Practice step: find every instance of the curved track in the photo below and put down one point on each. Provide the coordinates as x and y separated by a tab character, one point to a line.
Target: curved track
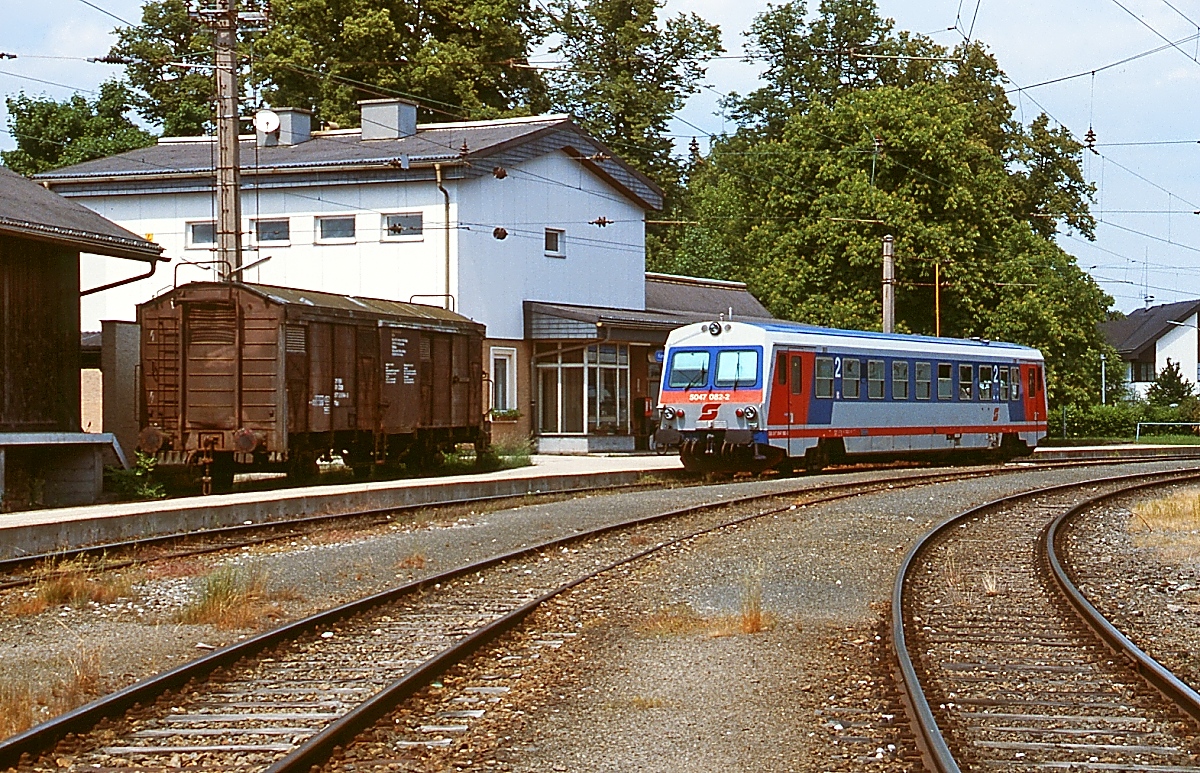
999	653
284	699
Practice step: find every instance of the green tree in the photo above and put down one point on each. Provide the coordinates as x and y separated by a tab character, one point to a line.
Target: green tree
168	92
628	72
1170	387
52	134
459	58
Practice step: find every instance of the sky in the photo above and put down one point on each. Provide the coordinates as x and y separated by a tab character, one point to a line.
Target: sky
1144	111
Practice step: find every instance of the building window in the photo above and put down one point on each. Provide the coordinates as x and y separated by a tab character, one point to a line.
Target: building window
409	226
899	380
556	243
583	389
1143	371
335	229
504	379
202	234
272	231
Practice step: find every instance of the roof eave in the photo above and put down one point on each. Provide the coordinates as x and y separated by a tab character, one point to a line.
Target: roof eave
97	244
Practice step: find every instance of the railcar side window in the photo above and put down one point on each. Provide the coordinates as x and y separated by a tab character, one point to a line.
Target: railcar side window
737	368
965	381
985	382
689	370
924	373
851	373
875	379
945	382
797	375
1014	375
825	377
1002	377
1032	382
899	380
781	367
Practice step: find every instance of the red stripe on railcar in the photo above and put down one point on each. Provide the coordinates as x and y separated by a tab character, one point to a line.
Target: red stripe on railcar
819	432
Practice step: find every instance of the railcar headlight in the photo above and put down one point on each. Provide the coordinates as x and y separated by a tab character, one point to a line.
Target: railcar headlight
668	413
751	412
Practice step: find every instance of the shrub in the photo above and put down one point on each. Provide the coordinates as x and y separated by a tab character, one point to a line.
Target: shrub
138	481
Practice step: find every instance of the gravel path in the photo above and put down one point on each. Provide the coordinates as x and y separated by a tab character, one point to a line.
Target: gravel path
661	679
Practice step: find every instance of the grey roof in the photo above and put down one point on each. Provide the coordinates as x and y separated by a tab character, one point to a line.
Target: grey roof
668	292
671	301
30	211
467	149
1135	335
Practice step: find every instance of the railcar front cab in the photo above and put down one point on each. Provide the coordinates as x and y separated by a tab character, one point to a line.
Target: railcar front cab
712	402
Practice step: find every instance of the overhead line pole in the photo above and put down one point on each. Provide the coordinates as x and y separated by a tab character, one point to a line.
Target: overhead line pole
223	19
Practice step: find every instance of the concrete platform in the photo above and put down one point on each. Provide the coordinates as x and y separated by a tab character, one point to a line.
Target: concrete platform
1123	451
43	531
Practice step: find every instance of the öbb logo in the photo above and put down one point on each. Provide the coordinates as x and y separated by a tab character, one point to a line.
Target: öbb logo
709	412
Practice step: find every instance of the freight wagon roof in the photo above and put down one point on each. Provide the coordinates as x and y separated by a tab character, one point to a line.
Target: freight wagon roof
290	296
889	341
30	211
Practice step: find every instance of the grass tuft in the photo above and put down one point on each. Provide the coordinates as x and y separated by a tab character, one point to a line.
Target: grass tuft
19	709
414	561
232	598
1170	524
74	582
677	620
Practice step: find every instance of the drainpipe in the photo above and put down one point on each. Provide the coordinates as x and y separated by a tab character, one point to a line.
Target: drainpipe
437	170
118	283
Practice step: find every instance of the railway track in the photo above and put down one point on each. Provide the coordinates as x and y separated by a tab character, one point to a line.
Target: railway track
283	699
24	571
1007	667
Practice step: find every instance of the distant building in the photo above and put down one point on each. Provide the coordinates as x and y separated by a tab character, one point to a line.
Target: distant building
45	459
529	225
1150	339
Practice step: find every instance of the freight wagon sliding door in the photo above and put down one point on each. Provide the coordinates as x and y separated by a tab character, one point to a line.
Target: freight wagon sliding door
211	365
260	363
320	376
345	366
400	393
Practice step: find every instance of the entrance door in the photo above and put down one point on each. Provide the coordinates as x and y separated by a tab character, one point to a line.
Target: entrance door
799	367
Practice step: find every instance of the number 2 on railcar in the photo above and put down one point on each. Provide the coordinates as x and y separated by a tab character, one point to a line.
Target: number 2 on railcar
752	396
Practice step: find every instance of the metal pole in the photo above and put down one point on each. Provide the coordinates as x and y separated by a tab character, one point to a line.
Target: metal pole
1103	381
229	205
889	286
937	299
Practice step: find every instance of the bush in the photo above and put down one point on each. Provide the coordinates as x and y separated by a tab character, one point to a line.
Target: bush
1120	420
138	481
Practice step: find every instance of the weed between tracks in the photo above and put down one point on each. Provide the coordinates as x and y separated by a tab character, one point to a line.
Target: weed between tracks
1171	524
22	706
232	598
73	582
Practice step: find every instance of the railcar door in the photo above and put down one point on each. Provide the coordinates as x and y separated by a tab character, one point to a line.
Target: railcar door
211	366
800	366
320	377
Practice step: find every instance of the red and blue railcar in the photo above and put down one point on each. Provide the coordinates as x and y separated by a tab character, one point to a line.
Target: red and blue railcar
757	395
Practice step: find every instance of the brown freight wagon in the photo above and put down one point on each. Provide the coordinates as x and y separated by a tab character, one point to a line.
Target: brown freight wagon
241	376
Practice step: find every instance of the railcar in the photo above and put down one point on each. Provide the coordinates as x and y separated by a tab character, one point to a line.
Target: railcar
751	396
254	377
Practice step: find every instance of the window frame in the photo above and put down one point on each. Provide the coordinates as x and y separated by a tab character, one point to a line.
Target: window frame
708	369
736	383
901	382
1014	378
927	381
797	376
848	379
948	381
881	368
969	394
386	235
190	234
561	252
322	239
509	355
986	395
256	235
823	381
1002	383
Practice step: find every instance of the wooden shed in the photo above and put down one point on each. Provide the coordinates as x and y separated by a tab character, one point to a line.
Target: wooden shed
44	457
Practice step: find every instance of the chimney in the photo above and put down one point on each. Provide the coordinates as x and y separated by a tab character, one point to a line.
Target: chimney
295	126
388	119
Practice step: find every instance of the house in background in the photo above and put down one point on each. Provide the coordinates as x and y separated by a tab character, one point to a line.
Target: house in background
45	459
522	224
1149	339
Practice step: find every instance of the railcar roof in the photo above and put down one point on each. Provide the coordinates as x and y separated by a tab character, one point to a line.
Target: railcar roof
780	326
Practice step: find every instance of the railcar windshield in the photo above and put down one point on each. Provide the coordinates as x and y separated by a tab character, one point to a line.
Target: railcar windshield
737	367
689	370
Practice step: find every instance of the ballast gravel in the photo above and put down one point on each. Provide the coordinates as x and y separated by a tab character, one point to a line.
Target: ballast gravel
825	574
